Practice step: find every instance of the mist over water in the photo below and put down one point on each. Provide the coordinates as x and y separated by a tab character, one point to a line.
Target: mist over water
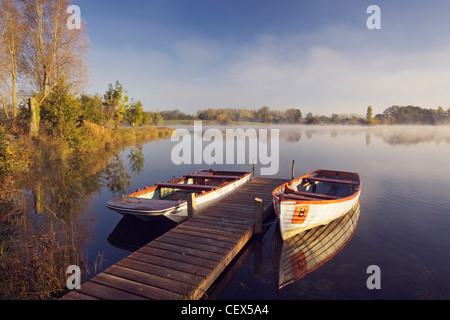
402	225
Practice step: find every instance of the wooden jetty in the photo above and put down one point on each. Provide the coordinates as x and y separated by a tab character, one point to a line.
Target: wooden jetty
184	262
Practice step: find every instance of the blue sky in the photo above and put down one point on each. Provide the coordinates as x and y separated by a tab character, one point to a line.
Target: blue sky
315	55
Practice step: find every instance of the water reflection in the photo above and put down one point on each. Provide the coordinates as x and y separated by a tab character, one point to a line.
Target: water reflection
392	135
302	254
50	225
60	208
132	233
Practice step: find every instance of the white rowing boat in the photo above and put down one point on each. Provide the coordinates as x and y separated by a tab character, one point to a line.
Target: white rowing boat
170	199
315	199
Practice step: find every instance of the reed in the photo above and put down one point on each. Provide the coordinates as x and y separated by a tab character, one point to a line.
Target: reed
40	239
35	269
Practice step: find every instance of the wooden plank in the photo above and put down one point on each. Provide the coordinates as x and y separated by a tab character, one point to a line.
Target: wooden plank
197	187
164	283
105	292
212	177
234	215
170	264
179	257
234	222
168	247
180	241
301	195
234	207
160	271
208	230
201	240
219	226
135	288
215	237
352	182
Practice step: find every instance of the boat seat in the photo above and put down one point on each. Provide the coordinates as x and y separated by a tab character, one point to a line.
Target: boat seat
212	177
289	192
194	187
332	180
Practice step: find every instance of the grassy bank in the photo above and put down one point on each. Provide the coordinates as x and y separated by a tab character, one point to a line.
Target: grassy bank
45	184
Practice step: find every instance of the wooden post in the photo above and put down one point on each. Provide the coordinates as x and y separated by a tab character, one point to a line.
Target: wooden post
293	169
253	170
258	215
191	205
35	116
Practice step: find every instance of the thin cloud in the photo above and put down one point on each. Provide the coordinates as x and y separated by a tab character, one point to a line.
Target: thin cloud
334	70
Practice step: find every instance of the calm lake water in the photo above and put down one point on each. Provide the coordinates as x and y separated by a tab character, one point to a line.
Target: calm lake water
403	223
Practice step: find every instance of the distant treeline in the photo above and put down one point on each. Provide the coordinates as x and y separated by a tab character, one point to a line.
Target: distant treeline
413	115
392	115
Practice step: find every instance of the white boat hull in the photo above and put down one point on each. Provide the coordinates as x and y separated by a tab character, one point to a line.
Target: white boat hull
148	203
317	215
299	211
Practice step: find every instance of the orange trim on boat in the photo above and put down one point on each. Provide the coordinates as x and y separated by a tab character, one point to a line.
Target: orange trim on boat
276	193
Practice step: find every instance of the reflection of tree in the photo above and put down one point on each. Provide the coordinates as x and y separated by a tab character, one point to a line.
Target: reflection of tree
46	230
368	138
116	179
411	135
49	225
392	135
291	134
136	158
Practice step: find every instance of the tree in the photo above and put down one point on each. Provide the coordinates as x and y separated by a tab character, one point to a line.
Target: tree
208	114
264	115
310	119
293	116
135	114
11	39
370	120
245	115
62	110
115	103
92	108
158	119
147	119
52	53
335	119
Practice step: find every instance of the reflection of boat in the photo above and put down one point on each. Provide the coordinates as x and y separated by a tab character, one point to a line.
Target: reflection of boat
302	254
170	199
315	199
132	233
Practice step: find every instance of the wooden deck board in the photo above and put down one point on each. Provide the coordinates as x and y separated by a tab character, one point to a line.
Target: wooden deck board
160	271
184	262
171	264
168	284
168	247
